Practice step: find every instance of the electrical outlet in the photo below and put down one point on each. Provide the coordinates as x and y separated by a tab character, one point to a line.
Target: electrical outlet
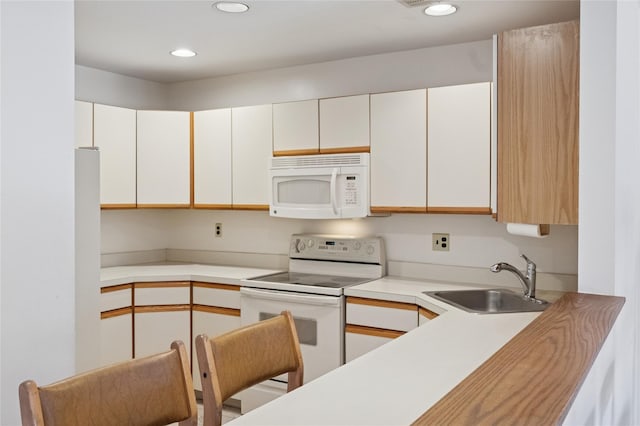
440	242
218	229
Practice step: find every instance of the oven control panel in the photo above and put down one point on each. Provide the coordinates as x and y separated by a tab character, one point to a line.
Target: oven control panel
338	248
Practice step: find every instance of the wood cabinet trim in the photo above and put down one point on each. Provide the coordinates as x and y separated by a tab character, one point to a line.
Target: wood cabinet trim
296	152
117	287
346	150
373	331
163	206
550	358
162	284
250	207
192	196
398	209
460	210
160	308
427	313
228	287
117	206
216	310
116	312
213	206
382	303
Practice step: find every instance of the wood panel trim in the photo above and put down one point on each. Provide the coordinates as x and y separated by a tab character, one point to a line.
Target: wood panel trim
398	209
373	331
296	152
231	287
117	206
250	207
460	210
346	150
382	303
162	284
550	359
217	310
160	308
427	313
191	160
164	206
213	206
117	287
116	312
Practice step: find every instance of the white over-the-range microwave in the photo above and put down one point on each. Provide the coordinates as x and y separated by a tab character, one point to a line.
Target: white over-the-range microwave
331	186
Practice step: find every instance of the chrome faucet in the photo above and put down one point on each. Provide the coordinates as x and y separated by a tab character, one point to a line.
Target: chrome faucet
528	281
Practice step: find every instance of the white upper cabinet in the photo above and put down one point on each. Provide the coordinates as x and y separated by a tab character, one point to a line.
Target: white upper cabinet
164	158
399	151
84	123
295	128
344	124
251	135
115	136
459	149
212	158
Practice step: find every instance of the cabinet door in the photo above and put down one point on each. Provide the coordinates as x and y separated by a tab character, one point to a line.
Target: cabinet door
538	86
115	136
164	157
251	135
399	152
344	124
212	158
116	336
295	128
459	149
156	327
360	340
83	123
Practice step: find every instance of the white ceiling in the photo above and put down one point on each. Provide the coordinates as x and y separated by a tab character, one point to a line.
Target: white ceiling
134	37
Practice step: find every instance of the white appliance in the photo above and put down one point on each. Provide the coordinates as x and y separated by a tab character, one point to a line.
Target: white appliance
333	186
320	267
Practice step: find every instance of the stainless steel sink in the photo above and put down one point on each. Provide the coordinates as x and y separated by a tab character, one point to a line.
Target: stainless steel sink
494	301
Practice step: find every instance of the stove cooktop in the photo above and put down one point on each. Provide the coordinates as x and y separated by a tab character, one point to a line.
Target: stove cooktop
316	280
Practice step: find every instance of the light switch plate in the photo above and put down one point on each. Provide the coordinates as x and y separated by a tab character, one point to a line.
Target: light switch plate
440	242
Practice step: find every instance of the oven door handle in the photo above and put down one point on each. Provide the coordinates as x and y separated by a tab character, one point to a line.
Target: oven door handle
283	296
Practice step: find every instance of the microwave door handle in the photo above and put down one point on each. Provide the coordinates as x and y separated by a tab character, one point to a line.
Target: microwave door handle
334	179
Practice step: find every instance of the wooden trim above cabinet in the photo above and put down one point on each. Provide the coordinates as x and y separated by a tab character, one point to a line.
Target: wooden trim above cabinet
373	331
164	206
213	206
162	284
161	308
117	287
116	312
296	152
231	287
346	150
118	206
427	313
460	210
397	209
216	310
382	303
251	207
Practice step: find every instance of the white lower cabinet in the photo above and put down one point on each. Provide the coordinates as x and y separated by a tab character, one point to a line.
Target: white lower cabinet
116	326
371	323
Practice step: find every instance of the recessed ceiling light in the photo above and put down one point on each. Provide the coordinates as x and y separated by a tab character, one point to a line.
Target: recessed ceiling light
440	9
183	53
231	7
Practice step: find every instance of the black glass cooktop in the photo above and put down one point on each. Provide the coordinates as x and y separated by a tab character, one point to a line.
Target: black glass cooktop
316	280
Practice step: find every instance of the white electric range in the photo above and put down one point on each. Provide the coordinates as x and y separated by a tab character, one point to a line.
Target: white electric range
320	267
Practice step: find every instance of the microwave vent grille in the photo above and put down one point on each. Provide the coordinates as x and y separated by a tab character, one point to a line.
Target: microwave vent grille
317	161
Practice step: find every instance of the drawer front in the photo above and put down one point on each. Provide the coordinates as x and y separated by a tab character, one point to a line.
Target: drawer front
357	344
145	294
382	314
224	296
110	300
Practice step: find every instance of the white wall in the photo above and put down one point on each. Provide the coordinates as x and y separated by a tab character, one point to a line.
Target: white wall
37	196
609	235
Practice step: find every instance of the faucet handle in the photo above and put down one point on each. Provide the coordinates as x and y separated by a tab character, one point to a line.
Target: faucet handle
529	261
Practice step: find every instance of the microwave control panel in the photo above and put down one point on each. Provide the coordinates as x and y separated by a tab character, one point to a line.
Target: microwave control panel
338	248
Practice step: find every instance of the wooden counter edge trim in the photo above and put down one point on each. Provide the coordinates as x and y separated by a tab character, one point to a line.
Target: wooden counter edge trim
373	331
427	313
160	308
162	284
230	287
116	312
117	287
382	303
216	310
548	361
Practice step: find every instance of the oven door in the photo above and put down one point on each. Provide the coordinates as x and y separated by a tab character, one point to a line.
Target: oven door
319	322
